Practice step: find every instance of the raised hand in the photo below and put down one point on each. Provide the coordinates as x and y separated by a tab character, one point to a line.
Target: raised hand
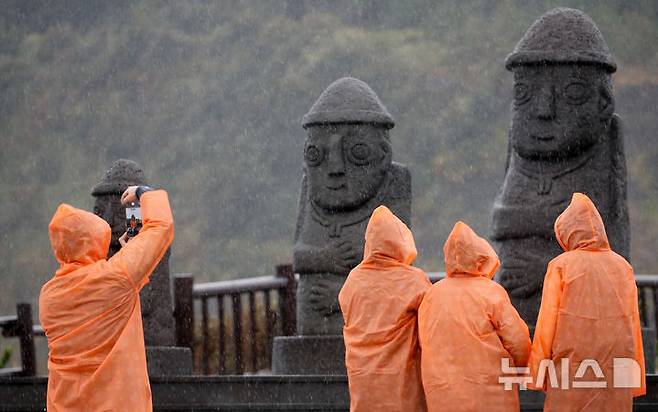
129	196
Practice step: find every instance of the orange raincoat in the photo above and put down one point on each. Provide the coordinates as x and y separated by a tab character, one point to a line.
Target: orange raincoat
589	310
467	325
91	313
379	301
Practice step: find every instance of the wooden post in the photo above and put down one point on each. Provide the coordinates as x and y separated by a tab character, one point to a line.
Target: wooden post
287	300
253	331
236	302
655	309
184	310
205	358
649	314
269	327
221	336
26	337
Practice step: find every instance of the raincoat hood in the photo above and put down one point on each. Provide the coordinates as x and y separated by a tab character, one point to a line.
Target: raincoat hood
388	237
580	226
468	254
78	237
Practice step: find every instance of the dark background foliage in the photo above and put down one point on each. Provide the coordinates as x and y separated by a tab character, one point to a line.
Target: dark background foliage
208	96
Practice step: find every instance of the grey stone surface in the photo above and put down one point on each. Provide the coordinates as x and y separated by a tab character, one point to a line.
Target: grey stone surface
348	172
168	361
562	35
107	196
564	138
348	100
308	355
157	309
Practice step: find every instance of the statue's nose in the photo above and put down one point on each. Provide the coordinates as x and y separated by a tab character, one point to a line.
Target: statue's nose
336	163
544	106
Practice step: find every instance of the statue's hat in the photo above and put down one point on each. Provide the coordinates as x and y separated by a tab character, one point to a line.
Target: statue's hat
122	173
562	35
348	100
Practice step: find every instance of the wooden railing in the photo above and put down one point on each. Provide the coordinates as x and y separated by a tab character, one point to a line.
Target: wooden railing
275	319
647	293
268	304
20	326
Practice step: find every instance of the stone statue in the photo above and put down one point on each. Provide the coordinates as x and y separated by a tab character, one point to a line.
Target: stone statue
155	297
348	172
564	138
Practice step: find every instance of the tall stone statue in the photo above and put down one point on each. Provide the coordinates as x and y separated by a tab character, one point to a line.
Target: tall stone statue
564	138
155	297
348	172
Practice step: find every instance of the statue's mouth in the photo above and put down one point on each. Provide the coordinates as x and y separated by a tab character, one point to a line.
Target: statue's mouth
339	187
547	138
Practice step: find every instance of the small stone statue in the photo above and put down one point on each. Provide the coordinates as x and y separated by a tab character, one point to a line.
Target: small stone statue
564	138
155	297
348	172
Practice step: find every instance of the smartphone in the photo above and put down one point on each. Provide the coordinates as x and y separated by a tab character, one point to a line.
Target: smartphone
133	219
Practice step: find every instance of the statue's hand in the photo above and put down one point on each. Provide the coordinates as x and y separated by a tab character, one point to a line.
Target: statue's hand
520	285
344	256
338	257
324	297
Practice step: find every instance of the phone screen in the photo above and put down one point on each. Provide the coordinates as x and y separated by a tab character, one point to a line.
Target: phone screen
133	218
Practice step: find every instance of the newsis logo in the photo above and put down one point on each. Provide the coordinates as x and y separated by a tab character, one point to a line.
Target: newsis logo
626	374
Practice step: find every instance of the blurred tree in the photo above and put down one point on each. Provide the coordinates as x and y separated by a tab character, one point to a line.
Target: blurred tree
208	96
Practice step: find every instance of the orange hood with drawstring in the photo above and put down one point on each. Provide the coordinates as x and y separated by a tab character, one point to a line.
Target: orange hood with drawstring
467	326
589	310
91	313
379	301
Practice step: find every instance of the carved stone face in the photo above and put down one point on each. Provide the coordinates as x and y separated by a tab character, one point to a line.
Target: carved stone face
345	164
559	110
110	209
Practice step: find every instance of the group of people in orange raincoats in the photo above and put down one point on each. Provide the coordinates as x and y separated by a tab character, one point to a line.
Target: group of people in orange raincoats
410	345
413	346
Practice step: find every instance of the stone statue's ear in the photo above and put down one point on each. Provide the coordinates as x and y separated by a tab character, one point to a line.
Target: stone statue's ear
614	131
606	103
386	151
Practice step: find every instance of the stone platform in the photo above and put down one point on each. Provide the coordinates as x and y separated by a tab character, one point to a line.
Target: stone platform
308	355
249	393
168	360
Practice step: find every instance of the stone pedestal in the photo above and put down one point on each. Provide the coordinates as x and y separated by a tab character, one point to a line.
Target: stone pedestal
168	361
308	355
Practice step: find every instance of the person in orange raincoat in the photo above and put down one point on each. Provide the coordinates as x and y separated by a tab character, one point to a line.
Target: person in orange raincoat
589	311
467	327
379	301
90	309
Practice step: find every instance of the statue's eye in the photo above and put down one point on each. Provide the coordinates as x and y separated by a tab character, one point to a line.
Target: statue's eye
313	155
521	93
359	154
576	93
